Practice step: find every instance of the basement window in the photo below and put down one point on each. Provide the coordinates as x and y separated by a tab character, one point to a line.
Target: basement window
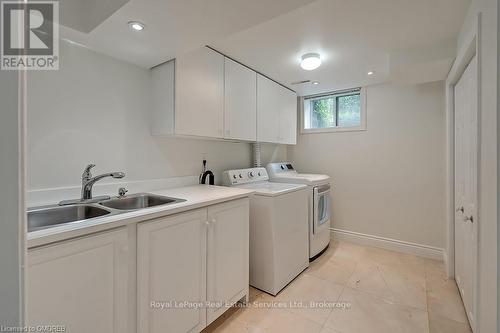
337	111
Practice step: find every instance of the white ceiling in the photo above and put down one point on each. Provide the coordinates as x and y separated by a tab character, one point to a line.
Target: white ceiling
172	26
352	36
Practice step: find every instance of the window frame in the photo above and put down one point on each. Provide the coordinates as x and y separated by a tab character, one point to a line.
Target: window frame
346	92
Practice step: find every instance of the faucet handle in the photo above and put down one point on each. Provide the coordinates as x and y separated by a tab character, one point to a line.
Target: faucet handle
86	172
122	191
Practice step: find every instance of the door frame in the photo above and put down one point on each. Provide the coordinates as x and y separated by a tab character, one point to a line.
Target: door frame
471	48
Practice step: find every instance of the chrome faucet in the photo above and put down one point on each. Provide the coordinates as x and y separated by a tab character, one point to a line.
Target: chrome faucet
88	181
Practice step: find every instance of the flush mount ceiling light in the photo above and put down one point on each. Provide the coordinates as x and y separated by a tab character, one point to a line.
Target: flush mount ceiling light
315	83
136	25
370	73
310	61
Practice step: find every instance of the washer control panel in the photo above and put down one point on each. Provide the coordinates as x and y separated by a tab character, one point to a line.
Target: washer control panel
244	176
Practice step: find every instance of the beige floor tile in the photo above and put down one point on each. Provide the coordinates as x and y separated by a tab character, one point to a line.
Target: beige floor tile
368	313
329	330
345	250
308	296
396	283
253	294
443	297
275	320
332	269
438	324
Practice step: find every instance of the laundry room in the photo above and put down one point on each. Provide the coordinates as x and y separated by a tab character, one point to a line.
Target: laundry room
317	166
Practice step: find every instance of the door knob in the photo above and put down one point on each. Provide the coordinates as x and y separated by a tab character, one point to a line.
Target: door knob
460	209
469	219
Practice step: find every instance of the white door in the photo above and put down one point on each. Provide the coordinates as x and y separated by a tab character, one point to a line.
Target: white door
81	284
240	102
171	271
199	93
227	261
466	222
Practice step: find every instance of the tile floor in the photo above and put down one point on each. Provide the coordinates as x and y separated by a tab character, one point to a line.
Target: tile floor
373	291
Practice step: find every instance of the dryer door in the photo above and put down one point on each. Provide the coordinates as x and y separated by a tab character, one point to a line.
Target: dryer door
321	204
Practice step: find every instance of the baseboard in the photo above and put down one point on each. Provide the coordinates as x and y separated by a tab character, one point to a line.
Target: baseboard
390	244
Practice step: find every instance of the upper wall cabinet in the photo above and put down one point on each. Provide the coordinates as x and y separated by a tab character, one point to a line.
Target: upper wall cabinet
199	102
240	102
276	112
216	97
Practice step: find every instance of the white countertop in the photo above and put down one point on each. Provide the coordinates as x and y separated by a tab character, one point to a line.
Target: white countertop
196	196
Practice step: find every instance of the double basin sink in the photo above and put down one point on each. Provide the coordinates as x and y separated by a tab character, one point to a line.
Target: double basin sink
47	217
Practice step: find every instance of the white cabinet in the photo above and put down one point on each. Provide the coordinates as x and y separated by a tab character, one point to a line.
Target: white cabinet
227	260
81	284
162	99
276	112
189	259
240	102
199	93
216	97
288	117
171	268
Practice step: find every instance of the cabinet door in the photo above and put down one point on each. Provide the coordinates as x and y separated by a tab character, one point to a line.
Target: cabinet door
171	272
227	263
240	102
81	284
288	117
200	93
162	99
268	110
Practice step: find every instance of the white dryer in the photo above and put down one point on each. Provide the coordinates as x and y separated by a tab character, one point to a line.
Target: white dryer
279	249
319	203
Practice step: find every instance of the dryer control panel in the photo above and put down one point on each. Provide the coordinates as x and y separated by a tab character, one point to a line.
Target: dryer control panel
244	176
280	168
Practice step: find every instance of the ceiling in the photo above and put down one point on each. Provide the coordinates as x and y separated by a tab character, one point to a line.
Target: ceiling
172	26
399	40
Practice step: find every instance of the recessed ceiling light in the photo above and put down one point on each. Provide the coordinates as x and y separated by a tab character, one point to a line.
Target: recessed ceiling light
310	61
136	25
315	83
370	73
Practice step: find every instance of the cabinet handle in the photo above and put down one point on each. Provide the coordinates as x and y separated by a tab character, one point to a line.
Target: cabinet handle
207	223
469	219
213	220
460	209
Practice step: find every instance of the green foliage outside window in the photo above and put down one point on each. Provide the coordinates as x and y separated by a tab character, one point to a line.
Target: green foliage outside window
324	111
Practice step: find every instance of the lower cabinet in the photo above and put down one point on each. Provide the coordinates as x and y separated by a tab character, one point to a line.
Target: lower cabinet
81	284
227	256
171	273
191	266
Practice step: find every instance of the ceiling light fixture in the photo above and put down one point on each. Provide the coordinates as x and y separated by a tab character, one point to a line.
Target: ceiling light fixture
136	25
315	83
310	61
370	73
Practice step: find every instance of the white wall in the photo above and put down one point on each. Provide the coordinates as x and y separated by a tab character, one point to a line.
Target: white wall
95	109
11	233
388	181
488	154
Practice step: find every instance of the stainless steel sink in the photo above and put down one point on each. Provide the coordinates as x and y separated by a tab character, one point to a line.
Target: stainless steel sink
43	218
139	201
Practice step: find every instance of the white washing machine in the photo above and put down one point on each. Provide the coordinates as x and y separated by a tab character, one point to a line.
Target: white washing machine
279	241
319	202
